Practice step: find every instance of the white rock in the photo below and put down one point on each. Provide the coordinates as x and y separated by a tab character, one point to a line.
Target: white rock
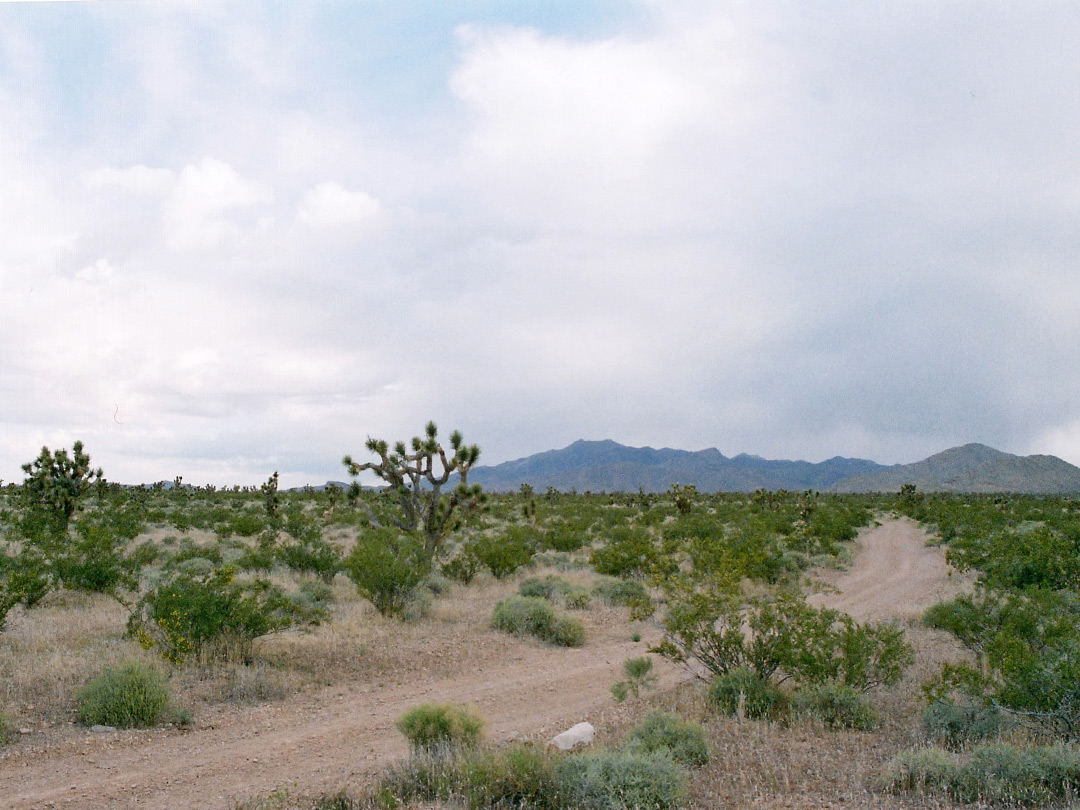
581	734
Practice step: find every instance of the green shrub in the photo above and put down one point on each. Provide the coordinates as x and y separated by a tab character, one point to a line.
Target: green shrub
664	731
463	567
555	588
132	696
186	613
836	705
639	676
387	567
523	616
954	726
94	561
506	553
576	598
519	776
432	727
311	554
547	588
563	538
566	632
621	780
629	553
246	524
744	689
621	592
533	616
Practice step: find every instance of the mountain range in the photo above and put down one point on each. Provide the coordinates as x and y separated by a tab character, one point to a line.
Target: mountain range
607	466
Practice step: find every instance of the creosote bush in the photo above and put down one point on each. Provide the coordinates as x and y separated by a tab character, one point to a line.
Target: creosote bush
131	696
533	616
440	727
505	553
387	566
190	612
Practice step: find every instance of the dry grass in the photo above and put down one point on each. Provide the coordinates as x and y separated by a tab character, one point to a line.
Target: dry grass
47	653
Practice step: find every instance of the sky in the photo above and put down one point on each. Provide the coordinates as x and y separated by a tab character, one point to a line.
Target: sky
241	237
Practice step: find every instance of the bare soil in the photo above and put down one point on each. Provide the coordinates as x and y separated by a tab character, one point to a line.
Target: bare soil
895	575
322	740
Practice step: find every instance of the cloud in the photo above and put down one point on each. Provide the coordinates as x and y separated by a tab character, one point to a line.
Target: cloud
259	236
328	205
196	209
141	180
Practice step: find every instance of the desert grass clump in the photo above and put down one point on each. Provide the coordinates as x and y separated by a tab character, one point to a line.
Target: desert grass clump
621	592
955	726
5	729
995	774
622	780
556	589
521	775
435	727
131	696
533	616
745	693
547	588
836	706
665	731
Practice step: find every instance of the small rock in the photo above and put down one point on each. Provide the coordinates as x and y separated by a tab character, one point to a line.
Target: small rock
24	731
101	729
580	734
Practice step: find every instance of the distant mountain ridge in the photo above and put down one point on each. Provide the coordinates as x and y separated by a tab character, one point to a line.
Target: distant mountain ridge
973	468
607	466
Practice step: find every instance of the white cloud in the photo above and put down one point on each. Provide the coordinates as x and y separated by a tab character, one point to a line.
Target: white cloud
195	211
134	179
328	205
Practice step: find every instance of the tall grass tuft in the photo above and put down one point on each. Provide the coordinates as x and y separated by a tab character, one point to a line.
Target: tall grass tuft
130	696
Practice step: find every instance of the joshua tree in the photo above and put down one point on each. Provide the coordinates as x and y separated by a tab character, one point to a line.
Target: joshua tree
417	479
56	485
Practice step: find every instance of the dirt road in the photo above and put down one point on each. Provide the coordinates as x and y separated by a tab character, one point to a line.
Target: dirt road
895	575
323	740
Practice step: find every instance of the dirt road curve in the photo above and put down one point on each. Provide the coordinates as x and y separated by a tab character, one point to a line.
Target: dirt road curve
322	741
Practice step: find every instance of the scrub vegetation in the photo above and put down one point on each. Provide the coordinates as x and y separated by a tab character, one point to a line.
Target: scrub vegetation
152	605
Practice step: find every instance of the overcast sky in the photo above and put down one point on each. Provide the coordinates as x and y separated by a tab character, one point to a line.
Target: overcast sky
241	237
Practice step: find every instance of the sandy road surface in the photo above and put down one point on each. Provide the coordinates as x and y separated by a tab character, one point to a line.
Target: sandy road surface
321	741
895	575
314	742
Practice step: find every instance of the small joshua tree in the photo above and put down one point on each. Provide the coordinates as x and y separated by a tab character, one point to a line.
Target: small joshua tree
417	479
56	485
